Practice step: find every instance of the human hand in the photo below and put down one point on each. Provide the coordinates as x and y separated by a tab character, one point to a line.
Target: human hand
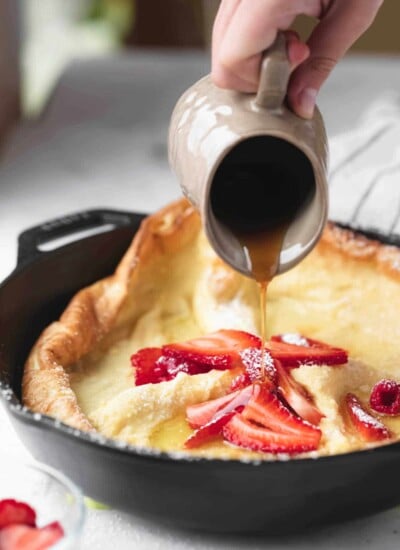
243	29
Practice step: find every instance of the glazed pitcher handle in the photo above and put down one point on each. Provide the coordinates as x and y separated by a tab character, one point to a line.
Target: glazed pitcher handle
274	75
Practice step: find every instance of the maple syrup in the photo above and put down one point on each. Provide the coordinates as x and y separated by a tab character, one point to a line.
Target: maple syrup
258	190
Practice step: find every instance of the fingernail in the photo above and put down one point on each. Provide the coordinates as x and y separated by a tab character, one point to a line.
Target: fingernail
306	102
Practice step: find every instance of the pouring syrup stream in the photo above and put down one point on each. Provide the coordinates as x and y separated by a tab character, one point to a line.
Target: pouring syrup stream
257	196
263	250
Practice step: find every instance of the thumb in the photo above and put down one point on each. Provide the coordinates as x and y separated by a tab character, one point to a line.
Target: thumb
338	29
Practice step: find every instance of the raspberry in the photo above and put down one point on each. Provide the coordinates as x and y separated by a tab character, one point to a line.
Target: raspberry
385	397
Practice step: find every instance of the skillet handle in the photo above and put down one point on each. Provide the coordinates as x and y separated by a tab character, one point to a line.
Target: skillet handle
38	240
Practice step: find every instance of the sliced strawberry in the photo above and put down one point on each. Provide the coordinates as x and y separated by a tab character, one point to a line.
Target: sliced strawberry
200	414
296	396
385	397
15	512
24	537
266	409
267	425
294	350
144	362
219	350
251	360
218	362
259	406
152	367
244	433
240	382
209	431
292	338
226	349
367	426
221	416
172	366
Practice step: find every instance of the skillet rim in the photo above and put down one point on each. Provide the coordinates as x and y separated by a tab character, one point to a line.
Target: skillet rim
44	421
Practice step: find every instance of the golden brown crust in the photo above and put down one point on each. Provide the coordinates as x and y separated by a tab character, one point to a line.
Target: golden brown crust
385	258
92	313
102	308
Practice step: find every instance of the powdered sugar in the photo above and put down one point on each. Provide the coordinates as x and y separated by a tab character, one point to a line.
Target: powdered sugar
294	339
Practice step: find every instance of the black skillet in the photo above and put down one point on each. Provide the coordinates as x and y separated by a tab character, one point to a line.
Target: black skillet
214	495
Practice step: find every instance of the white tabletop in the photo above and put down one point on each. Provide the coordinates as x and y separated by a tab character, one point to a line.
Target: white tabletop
102	143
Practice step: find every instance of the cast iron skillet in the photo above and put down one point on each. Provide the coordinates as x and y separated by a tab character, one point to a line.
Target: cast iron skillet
214	495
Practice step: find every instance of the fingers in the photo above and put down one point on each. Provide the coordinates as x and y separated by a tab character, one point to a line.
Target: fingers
297	51
225	13
242	31
344	22
225	78
245	28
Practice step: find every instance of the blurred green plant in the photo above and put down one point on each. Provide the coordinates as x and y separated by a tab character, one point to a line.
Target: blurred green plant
197	8
119	14
95	505
59	31
204	14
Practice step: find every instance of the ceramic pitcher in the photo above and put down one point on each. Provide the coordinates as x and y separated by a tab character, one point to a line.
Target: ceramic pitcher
210	123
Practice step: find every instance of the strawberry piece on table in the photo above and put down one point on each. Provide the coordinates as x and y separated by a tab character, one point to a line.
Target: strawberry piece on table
385	397
200	414
267	425
15	512
219	350
296	396
294	350
367	426
24	537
